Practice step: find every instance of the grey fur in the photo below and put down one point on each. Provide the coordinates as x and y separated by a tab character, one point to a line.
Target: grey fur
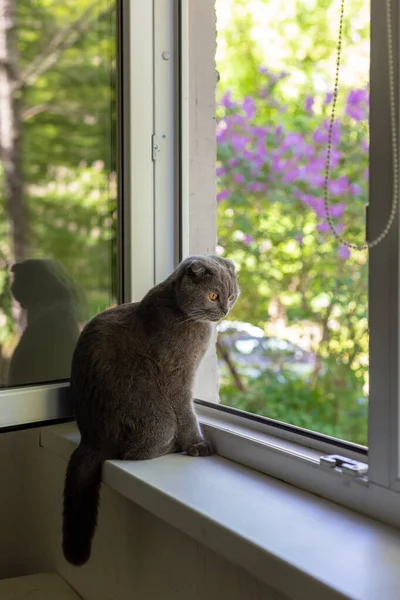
132	378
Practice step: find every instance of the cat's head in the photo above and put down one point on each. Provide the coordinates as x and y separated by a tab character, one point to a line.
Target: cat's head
207	287
42	282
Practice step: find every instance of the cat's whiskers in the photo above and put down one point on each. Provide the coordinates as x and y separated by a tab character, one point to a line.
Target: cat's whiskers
193	317
186	319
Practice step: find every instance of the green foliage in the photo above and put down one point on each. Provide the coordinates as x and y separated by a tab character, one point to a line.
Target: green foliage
271	220
338	412
65	60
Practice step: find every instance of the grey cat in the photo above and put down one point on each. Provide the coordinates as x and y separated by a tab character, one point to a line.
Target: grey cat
131	382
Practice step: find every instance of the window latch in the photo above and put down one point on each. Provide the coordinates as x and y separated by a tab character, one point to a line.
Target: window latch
344	465
155	148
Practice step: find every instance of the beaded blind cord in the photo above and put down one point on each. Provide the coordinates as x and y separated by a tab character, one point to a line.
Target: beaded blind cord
395	155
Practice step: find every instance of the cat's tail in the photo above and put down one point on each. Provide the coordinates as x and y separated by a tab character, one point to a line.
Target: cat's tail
81	500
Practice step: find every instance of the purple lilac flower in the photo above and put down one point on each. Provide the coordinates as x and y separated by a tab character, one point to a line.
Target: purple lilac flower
291	174
339	186
323	227
233	162
249	107
320	137
227	102
223	195
238	178
239	143
315	165
220	171
307	199
238	121
355	112
356	105
343	252
309	151
261	148
249	155
295	142
355	189
335	158
335	155
256	165
328	98
319	206
263	70
256	186
316	180
366	174
278	164
365	145
337	210
222	133
308	104
248	239
358	96
260	131
335	132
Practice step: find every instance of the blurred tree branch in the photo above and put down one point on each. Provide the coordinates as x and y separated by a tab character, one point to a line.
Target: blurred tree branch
61	41
33	111
236	377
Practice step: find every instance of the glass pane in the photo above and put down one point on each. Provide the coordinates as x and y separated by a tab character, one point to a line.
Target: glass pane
58	189
296	346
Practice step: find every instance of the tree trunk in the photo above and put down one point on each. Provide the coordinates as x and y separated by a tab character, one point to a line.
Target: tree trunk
235	375
10	132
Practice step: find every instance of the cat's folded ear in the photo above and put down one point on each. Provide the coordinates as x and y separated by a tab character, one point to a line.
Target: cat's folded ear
196	268
231	265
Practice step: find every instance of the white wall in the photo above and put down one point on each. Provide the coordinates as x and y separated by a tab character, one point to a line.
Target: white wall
135	555
21	546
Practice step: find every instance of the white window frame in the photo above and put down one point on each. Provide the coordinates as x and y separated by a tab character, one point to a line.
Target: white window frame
136	130
166	132
384	430
173	95
277	449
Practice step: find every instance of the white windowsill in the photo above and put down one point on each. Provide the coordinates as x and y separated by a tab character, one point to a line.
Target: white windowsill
297	543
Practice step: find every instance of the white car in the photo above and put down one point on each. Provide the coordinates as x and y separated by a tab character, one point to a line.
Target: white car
253	353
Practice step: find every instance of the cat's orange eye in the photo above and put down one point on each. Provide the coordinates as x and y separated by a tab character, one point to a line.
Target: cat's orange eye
213	296
231	298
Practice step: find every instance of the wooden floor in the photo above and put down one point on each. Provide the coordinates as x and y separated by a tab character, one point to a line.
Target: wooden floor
36	587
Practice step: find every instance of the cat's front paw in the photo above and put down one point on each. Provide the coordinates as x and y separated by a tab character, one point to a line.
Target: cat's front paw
202	448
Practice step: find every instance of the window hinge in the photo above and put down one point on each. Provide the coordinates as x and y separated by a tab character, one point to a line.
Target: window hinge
155	148
344	465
